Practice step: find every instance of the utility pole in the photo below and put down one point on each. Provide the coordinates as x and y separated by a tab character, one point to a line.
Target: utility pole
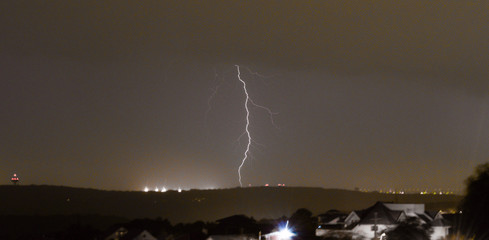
375	227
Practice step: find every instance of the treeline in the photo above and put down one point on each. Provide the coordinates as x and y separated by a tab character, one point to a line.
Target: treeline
78	227
198	205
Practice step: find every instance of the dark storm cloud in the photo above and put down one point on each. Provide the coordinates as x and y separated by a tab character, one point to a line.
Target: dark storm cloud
380	91
444	40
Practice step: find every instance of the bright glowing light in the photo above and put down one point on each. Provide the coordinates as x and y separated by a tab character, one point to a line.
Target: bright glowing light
156	189
179	190
285	232
146	189
163	189
383	236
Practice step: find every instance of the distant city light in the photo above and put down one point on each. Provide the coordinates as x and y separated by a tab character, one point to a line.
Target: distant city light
156	189
146	189
179	190
421	191
14	179
266	185
163	189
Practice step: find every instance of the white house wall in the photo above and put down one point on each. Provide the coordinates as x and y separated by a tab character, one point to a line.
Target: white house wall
366	230
439	233
411	209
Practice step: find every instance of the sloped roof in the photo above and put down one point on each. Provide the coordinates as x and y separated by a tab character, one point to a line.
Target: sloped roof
133	234
425	217
229	237
379	214
130	234
432	214
452	218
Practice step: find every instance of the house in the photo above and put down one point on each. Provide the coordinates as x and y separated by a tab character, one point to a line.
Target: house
236	225
283	234
132	234
332	224
370	222
381	217
231	237
332	219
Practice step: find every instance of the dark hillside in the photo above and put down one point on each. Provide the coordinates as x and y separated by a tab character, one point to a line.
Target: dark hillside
190	206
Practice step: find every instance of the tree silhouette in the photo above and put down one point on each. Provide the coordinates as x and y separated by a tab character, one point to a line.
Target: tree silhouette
474	206
302	223
411	229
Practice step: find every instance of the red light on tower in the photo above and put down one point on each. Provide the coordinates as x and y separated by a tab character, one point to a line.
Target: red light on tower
14	179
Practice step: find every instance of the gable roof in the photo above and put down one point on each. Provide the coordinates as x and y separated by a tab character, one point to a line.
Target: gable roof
130	234
432	214
379	214
353	217
425	218
138	234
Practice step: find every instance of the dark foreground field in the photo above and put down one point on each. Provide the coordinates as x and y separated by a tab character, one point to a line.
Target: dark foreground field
190	206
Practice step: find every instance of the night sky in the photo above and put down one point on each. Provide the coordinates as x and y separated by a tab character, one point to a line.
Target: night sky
368	94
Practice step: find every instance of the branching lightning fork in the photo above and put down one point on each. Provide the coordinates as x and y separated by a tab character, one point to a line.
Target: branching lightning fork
247	133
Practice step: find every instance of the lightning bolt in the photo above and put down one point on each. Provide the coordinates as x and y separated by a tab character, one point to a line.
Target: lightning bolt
214	93
247	133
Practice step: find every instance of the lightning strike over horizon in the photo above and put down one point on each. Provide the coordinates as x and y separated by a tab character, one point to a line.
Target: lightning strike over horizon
247	126
247	133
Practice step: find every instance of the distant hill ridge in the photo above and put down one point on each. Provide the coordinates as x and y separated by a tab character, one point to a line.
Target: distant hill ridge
193	205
